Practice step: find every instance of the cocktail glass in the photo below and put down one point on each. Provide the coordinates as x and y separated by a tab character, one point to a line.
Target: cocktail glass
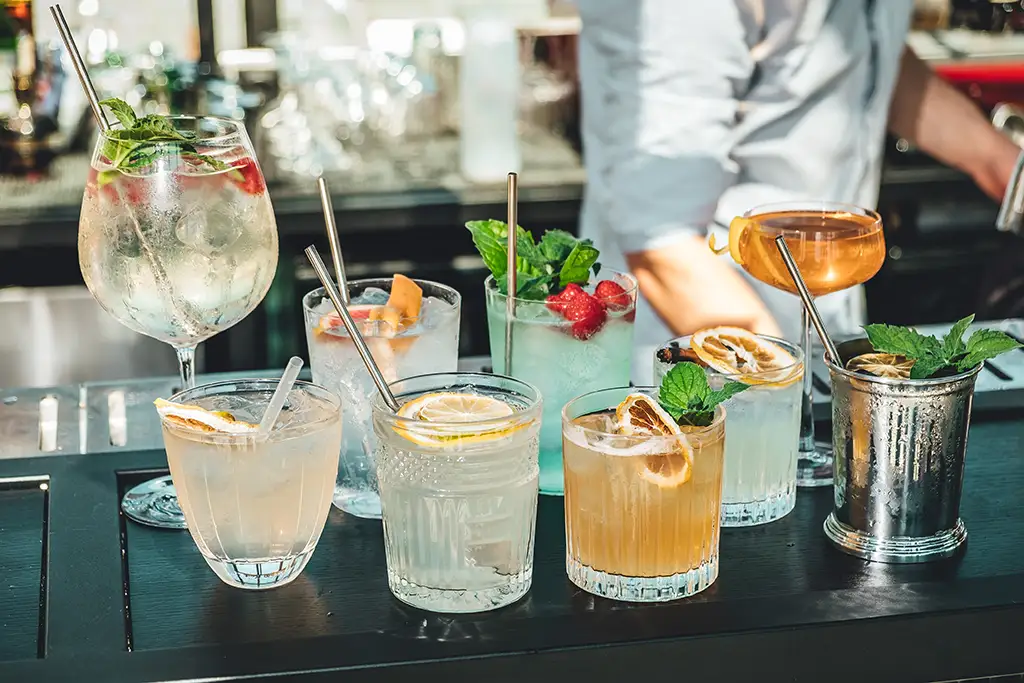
459	499
835	246
546	354
179	246
256	508
430	344
763	423
639	525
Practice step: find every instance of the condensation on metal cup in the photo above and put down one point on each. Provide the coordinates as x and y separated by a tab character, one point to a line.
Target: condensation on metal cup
899	450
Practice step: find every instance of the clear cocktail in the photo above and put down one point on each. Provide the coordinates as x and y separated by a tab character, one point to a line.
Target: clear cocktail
458	483
412	328
254	507
763	423
836	247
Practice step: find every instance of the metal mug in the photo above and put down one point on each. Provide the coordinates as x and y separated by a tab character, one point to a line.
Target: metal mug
899	449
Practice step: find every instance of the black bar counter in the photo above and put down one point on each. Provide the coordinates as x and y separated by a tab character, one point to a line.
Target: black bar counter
87	597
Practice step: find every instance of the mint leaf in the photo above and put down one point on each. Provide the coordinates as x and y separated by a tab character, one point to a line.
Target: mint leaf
556	245
489	239
684	389
120	109
953	342
985	344
578	264
533	287
925	367
902	341
722	395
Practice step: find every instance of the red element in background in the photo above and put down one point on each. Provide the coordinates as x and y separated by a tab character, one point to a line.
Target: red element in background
988	83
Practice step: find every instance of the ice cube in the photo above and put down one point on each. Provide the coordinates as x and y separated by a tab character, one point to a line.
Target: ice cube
209	228
373	296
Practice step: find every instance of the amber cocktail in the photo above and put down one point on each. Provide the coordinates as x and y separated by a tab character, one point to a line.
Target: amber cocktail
835	246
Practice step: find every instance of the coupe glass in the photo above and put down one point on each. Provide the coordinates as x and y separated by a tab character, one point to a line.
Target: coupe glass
835	246
178	247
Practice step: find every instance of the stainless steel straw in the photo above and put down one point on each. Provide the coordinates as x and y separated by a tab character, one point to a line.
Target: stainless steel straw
511	271
353	331
332	238
805	296
79	64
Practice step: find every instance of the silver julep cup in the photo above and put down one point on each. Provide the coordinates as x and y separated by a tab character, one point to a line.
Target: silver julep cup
899	450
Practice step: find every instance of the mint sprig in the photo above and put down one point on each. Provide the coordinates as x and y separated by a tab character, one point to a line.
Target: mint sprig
542	268
932	355
141	142
686	395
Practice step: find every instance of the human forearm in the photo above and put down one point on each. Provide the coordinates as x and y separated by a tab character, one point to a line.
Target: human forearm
943	122
690	289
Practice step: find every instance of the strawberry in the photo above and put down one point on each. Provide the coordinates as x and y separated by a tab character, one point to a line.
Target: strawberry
586	314
612	295
248	177
556	302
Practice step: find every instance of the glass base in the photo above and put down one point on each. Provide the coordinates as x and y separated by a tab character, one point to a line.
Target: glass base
642	589
259	575
760	511
154	503
453	601
814	468
896	549
364	504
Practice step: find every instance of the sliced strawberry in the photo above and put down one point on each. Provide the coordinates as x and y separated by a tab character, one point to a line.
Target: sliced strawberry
556	302
251	179
586	314
612	295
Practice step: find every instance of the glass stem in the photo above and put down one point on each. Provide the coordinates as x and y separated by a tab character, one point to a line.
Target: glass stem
187	365
807	415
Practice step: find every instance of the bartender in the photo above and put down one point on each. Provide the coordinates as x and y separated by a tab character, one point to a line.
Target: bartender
696	111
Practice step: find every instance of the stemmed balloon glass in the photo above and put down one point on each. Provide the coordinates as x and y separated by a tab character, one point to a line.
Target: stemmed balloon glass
177	240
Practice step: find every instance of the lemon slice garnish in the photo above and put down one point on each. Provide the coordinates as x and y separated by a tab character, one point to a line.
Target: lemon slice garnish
881	365
751	359
454	419
640	415
736	228
202	420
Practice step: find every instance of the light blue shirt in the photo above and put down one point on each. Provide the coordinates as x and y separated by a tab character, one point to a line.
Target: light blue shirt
695	111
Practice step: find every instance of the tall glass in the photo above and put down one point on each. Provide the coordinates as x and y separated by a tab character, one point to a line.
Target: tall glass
640	525
179	246
459	515
549	352
763	423
428	344
835	246
256	508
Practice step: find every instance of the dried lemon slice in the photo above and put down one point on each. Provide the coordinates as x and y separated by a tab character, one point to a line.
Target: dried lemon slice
457	417
741	353
881	365
200	419
640	415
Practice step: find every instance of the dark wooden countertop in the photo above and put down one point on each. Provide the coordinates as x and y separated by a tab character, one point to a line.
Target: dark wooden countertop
86	597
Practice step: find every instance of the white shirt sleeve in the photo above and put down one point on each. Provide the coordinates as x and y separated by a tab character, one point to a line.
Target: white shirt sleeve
659	84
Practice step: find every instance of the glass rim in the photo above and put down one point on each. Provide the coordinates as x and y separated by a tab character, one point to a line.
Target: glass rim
252	382
528	392
812	205
893	382
718	420
793	349
237	126
322	291
491	285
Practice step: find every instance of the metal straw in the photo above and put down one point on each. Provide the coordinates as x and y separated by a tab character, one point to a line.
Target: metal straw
805	296
79	64
332	237
353	331
511	271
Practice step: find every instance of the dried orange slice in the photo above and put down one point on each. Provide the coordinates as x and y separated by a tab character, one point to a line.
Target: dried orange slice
736	229
640	415
881	365
751	359
202	420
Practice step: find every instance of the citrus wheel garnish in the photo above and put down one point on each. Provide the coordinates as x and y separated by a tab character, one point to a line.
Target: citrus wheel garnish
736	228
750	359
202	420
886	365
639	415
457	417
